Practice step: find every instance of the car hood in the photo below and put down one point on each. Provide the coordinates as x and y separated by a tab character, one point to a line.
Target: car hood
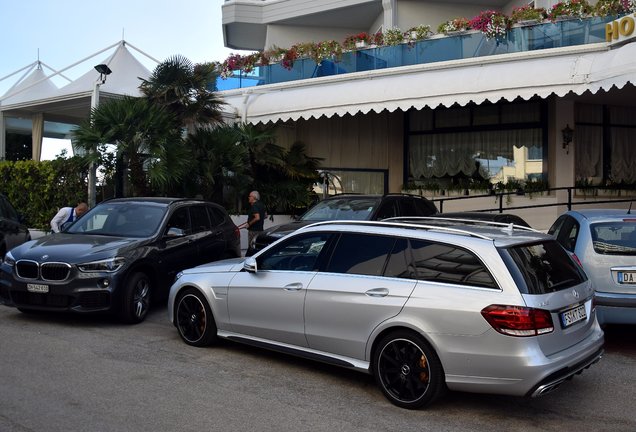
227	265
74	248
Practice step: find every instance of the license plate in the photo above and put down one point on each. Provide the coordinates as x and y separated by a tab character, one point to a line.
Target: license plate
572	316
626	277
37	288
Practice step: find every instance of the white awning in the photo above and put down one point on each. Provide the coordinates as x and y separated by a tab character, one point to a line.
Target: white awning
541	73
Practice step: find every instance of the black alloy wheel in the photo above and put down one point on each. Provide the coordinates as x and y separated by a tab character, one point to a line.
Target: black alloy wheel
407	370
136	302
194	319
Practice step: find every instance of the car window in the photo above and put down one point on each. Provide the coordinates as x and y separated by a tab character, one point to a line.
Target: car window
216	216
399	264
180	220
363	254
566	231
407	207
449	264
387	209
6	210
543	267
424	207
614	238
300	253
342	209
199	218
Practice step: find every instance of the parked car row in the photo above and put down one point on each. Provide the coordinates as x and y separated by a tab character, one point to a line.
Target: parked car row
424	301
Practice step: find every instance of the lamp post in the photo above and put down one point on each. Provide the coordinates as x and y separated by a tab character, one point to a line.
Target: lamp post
104	71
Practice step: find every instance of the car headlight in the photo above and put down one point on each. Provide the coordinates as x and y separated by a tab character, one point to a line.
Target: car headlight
8	259
108	265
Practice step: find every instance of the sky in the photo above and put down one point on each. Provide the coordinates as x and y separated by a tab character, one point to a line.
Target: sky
63	32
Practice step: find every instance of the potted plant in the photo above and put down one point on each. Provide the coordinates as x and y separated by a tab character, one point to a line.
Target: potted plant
613	7
393	36
357	41
492	24
569	9
329	49
291	55
418	33
527	15
454	26
377	39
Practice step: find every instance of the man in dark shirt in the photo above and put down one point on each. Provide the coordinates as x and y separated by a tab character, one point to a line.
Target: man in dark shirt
255	219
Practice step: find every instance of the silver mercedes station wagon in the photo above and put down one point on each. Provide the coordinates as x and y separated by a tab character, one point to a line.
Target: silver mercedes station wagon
485	307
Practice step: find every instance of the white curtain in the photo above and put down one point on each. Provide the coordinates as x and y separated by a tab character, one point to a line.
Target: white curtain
588	144
37	121
438	155
623	150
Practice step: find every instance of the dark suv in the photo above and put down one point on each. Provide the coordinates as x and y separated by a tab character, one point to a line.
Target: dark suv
116	256
351	207
12	229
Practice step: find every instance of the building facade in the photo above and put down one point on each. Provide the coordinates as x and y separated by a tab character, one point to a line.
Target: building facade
550	103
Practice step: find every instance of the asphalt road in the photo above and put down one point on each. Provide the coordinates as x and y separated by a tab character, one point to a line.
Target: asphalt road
74	373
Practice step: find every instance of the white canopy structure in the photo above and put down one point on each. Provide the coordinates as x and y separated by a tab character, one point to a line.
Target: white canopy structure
36	97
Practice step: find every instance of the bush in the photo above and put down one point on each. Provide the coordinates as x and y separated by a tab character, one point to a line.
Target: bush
38	189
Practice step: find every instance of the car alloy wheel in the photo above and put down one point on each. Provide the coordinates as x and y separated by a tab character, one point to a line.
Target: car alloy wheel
137	298
194	319
407	370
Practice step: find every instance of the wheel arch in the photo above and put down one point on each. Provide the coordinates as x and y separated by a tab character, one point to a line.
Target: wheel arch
380	333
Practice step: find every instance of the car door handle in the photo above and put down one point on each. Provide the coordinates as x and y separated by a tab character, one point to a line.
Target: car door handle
378	292
294	287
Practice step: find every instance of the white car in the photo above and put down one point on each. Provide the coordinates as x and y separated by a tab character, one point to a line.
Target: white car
487	307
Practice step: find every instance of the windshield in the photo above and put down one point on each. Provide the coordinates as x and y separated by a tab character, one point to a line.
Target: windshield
614	238
342	209
121	219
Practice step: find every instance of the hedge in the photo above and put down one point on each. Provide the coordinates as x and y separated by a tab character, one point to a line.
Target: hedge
38	189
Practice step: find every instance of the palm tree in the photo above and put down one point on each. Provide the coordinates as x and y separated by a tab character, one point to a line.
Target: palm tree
185	89
146	137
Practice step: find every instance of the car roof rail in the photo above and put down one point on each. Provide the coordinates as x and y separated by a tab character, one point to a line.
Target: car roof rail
506	225
400	224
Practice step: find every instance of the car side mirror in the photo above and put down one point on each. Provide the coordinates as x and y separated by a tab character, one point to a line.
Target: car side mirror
249	265
175	232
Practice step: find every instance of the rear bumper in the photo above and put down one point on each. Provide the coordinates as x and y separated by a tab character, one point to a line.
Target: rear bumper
615	308
557	378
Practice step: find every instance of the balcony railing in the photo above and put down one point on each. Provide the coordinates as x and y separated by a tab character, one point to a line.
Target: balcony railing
439	48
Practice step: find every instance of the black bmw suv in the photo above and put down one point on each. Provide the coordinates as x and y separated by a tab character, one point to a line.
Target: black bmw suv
351	207
117	256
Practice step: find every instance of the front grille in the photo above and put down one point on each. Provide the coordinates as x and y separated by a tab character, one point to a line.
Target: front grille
55	271
49	271
27	269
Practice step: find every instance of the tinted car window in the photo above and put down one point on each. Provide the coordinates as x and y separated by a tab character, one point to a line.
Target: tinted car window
407	207
399	264
360	254
424	207
199	218
449	264
614	238
180	220
7	210
566	231
544	268
387	209
342	209
216	216
299	253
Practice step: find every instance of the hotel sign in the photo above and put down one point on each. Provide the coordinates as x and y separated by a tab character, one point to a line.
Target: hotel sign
621	30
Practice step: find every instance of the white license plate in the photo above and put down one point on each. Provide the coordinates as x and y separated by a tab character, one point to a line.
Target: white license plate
626	277
572	316
37	288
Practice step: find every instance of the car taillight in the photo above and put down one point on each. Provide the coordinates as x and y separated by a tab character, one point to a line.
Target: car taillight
518	320
237	232
578	261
